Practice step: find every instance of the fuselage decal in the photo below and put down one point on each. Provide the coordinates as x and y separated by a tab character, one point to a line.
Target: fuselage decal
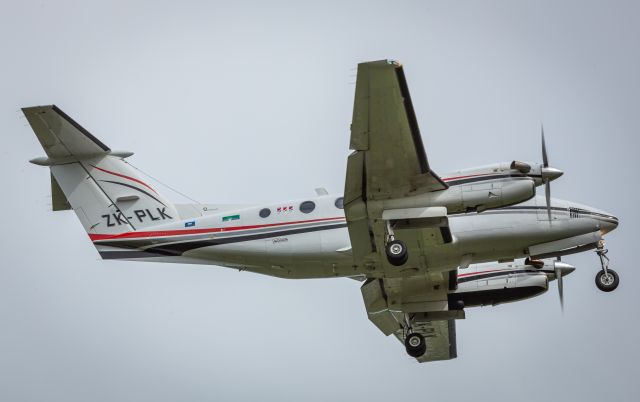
133	187
125	177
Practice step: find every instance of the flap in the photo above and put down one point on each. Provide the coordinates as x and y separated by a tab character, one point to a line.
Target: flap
414	213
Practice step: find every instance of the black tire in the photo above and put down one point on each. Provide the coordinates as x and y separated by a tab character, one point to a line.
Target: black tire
415	344
607	283
397	252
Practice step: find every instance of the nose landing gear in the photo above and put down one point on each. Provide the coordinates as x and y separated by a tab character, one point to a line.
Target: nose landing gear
607	280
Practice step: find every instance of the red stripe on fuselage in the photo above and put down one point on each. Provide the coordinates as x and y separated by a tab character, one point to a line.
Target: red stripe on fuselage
180	232
482	272
126	177
464	177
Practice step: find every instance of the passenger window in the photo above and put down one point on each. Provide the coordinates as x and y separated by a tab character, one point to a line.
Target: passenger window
307	206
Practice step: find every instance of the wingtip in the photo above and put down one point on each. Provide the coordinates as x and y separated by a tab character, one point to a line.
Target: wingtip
28	109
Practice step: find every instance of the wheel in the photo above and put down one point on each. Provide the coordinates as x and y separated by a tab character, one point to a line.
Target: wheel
607	282
397	252
415	344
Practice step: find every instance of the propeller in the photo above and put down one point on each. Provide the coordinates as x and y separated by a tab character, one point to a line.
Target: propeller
560	269
547	173
558	273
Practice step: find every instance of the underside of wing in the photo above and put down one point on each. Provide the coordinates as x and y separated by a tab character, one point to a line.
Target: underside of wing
388	162
384	128
403	306
440	339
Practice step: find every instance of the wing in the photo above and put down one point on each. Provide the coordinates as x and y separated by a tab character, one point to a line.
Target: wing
440	337
398	306
388	162
384	131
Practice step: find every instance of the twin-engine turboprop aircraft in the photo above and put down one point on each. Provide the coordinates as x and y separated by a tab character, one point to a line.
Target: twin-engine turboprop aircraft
425	247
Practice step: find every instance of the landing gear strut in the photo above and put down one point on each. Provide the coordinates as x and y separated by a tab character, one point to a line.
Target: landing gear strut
396	250
414	342
607	279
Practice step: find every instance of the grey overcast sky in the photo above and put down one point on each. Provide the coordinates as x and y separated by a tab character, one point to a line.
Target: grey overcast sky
250	102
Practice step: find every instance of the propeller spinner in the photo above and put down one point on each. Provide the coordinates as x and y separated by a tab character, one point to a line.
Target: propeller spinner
561	269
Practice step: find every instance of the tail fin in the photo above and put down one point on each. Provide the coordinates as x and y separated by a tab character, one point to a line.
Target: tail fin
105	192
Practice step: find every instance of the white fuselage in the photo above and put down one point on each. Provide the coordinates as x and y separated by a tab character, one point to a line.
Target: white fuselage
292	244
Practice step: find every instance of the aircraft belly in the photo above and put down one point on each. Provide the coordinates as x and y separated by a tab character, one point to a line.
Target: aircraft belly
291	256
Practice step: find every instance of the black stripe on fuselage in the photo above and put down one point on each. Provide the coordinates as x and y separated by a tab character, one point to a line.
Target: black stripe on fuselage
535	209
178	249
565	209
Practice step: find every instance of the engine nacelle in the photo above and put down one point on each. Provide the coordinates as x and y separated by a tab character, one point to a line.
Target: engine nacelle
468	197
496	193
501	286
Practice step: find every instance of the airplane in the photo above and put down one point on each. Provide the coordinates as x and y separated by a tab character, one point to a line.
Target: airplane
425	247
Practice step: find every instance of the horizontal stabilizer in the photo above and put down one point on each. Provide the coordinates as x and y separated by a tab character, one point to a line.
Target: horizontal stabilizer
60	135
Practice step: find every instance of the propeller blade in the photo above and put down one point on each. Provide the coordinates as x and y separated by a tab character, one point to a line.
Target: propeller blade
545	159
558	272
560	269
547	194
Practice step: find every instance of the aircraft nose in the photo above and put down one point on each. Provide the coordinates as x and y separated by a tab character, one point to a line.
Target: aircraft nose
608	223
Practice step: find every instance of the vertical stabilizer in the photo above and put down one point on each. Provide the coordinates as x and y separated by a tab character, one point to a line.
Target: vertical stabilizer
106	193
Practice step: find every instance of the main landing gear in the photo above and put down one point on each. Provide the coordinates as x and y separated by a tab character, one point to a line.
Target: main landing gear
607	279
415	344
396	250
413	341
